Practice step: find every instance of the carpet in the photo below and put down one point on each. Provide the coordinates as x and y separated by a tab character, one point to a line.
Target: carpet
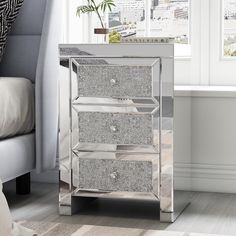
60	229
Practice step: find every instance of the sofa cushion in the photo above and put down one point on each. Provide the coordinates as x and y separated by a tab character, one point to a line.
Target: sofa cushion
16	107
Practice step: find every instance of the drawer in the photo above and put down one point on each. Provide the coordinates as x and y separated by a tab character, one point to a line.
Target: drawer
118	175
114	81
115	128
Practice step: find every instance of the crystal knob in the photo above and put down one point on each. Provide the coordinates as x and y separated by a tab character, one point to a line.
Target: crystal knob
113	82
113	128
114	175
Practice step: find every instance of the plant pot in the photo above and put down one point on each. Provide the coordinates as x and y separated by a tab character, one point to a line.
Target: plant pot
101	31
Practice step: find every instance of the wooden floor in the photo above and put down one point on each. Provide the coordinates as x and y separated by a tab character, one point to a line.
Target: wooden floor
208	212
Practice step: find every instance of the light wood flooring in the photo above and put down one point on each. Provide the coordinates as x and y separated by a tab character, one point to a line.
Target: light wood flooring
208	213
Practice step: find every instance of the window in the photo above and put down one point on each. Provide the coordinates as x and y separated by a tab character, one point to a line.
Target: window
229	28
204	31
165	18
126	15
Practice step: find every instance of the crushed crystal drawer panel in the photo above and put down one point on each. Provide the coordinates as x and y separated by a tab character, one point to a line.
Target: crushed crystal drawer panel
115	128
114	81
118	175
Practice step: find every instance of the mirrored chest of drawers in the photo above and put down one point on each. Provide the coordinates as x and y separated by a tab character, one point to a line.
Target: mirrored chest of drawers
116	125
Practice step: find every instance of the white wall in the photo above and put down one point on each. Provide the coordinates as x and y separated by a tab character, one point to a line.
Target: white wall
205	139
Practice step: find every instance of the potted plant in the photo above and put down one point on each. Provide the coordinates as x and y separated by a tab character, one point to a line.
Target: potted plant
114	37
97	8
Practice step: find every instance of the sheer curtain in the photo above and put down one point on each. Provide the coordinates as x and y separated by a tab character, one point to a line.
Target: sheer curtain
47	76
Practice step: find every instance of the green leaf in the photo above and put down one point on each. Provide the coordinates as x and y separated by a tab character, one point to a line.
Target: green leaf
84	9
106	4
93	7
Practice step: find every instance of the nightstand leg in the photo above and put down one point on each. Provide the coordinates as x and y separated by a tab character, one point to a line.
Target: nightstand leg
69	204
73	205
180	202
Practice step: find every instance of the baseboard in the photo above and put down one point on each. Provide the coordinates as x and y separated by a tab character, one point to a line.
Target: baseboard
203	177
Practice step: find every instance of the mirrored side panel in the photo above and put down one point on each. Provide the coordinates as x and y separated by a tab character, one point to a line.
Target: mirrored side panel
172	202
64	142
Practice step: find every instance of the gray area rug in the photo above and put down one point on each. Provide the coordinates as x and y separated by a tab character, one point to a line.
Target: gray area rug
59	229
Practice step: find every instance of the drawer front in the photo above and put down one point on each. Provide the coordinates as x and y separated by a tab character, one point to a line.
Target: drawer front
115	128
114	81
115	175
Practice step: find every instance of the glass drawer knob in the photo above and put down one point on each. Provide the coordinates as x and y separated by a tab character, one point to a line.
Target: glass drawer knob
113	128
113	81
114	175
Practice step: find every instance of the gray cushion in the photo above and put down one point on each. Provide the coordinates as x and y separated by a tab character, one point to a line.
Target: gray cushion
8	12
30	18
21	57
22	50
